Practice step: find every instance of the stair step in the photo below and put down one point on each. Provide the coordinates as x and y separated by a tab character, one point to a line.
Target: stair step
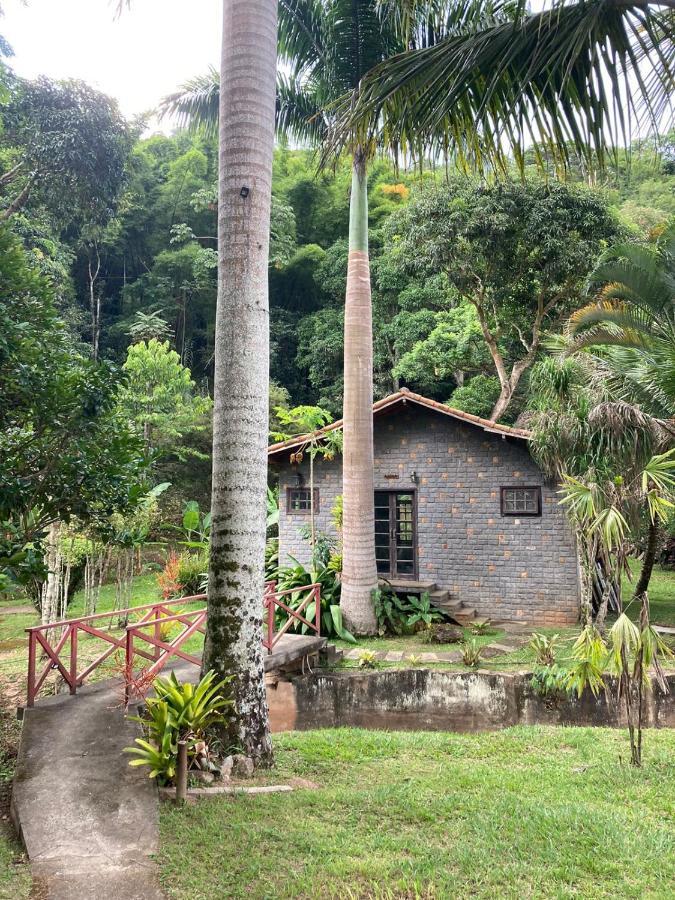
400	585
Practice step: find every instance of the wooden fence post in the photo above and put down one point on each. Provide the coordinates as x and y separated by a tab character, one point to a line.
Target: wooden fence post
181	773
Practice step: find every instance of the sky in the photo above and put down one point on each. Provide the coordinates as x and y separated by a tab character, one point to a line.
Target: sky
150	51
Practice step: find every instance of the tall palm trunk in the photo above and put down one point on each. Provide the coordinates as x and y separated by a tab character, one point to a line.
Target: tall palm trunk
359	572
233	644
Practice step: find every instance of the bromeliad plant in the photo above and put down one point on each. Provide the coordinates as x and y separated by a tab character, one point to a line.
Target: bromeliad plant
179	711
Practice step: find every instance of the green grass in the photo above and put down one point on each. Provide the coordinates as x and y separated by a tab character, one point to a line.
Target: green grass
15	881
522	813
661	594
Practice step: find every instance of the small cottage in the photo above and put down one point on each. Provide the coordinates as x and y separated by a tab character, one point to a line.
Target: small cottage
461	510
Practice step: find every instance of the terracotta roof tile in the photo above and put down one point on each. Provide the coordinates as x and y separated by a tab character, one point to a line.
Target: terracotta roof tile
402	396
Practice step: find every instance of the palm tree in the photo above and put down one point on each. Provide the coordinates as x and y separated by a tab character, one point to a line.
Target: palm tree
233	643
570	80
632	321
327	47
480	80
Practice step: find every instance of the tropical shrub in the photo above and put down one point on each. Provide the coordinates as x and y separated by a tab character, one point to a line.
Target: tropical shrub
367	659
398	615
295	578
167	579
179	712
191	570
183	575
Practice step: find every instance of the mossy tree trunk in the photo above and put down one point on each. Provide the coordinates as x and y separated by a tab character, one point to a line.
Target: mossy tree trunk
233	644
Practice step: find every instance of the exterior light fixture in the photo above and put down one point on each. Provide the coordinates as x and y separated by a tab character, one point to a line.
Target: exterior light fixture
244	192
415	478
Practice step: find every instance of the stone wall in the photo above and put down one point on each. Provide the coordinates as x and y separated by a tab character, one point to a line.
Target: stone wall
434	700
508	568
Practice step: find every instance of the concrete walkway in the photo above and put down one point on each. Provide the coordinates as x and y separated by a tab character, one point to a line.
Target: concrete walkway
88	820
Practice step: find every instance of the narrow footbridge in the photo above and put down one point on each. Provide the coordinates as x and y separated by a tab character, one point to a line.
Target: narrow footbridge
135	644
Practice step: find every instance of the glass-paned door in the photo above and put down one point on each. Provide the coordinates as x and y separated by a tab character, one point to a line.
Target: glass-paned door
395	537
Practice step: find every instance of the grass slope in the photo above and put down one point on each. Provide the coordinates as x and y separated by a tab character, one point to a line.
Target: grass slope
523	813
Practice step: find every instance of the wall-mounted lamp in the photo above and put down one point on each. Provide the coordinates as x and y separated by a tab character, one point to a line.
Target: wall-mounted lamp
299	479
244	192
415	478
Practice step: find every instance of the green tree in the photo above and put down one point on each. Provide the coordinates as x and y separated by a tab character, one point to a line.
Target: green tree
65	450
516	254
159	399
70	145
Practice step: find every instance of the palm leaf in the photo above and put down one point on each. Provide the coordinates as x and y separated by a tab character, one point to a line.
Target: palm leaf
558	78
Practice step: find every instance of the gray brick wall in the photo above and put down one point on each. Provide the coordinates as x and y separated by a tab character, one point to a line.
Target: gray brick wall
507	568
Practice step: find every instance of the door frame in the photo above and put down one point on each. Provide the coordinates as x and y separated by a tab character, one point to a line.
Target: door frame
392	544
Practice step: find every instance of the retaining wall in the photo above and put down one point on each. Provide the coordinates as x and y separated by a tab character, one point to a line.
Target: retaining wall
433	700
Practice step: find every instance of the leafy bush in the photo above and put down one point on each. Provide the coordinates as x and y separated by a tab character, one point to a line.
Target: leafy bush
478	396
544	648
191	570
183	575
167	579
179	712
298	576
396	615
550	681
367	659
481	627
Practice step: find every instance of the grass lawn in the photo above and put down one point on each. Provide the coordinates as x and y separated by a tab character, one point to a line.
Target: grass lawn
661	594
15	882
522	813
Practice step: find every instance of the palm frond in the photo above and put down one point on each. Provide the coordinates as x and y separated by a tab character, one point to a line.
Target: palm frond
574	78
299	114
195	105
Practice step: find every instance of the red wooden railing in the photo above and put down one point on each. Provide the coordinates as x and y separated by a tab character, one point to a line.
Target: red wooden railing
272	601
59	639
53	639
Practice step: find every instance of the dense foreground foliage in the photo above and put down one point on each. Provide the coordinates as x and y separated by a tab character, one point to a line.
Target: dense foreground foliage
526	812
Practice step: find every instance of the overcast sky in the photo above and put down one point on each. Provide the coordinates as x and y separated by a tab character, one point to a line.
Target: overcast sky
149	52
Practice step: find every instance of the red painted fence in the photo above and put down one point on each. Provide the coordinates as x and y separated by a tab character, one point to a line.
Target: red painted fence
55	647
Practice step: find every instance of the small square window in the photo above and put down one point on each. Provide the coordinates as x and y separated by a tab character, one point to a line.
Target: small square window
521	501
299	501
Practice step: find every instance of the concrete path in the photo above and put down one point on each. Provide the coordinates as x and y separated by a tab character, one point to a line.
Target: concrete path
89	822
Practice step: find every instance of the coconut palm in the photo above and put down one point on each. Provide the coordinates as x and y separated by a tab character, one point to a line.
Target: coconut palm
632	320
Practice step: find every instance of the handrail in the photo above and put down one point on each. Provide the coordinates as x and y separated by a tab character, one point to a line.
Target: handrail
271	601
154	616
116	612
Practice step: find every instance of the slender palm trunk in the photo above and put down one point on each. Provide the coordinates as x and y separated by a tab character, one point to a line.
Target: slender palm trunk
648	561
359	572
233	644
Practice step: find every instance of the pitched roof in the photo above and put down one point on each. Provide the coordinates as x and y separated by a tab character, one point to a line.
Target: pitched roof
402	398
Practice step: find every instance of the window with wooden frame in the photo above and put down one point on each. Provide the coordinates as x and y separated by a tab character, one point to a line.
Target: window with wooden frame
521	501
299	501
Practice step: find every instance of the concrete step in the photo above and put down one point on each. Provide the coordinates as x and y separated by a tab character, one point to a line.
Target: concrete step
403	585
330	655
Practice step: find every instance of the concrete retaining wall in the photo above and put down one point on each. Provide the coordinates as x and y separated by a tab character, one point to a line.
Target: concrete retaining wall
433	700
